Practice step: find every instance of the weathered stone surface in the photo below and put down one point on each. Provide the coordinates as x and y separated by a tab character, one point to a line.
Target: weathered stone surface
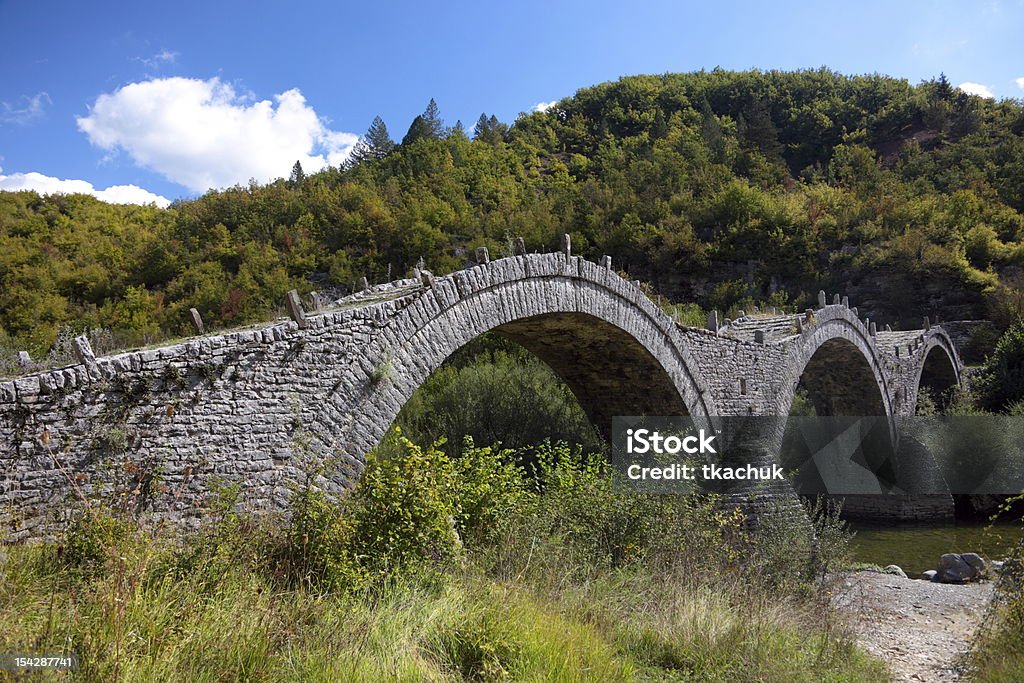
895	570
253	406
295	309
955	568
976	562
83	349
197	320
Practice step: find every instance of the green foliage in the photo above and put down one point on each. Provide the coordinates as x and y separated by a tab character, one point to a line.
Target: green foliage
407	508
998	650
436	568
376	144
782	552
495	392
802	405
490	130
413	508
91	536
1001	381
926	405
717	187
316	550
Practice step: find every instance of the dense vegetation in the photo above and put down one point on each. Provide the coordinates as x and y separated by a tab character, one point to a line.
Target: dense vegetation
718	187
438	568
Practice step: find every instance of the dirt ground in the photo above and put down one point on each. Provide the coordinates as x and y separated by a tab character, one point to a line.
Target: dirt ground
920	628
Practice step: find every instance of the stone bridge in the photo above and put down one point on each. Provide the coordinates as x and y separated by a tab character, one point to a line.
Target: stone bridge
255	405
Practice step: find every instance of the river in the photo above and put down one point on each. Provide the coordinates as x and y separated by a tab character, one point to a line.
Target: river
917	548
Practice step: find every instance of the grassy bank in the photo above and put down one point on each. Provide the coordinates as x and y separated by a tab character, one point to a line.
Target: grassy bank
621	626
998	653
437	569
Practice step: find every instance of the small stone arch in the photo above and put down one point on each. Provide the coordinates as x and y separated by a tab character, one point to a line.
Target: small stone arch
839	363
939	370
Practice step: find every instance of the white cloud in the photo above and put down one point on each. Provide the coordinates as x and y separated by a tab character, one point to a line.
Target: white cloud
44	184
32	108
976	89
1019	82
544	106
165	56
203	134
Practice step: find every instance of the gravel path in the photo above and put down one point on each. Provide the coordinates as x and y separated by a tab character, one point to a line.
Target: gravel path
920	628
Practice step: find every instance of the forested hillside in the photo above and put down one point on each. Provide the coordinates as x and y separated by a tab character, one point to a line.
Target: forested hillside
720	188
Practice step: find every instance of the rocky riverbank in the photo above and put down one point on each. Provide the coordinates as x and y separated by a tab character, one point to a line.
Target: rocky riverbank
922	629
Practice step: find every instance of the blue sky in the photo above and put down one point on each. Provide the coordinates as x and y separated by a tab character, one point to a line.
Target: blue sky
137	101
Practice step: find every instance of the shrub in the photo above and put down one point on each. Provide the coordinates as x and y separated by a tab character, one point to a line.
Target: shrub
580	521
413	507
490	487
495	392
405	509
95	536
317	550
1002	379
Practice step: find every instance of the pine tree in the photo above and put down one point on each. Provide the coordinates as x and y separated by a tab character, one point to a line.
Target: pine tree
481	129
378	140
376	144
711	131
419	129
760	132
298	176
489	130
432	117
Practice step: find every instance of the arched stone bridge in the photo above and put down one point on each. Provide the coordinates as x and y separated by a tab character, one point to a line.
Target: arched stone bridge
252	405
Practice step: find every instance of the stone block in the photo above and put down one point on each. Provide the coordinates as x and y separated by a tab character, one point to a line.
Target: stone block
295	310
83	350
197	320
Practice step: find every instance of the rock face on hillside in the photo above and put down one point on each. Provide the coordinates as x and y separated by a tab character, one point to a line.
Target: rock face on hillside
888	295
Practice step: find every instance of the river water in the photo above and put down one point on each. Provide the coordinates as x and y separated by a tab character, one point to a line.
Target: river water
917	548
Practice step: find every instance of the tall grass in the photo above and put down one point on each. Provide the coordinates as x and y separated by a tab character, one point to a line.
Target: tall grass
998	652
552	577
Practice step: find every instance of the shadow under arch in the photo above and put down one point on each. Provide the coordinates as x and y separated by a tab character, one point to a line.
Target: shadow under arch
939	374
842	438
839	380
605	368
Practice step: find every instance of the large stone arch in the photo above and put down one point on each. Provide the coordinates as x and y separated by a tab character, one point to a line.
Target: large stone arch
614	347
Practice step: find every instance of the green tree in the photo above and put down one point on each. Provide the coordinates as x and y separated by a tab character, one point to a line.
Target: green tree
489	130
419	129
426	126
376	144
298	176
432	117
1002	378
